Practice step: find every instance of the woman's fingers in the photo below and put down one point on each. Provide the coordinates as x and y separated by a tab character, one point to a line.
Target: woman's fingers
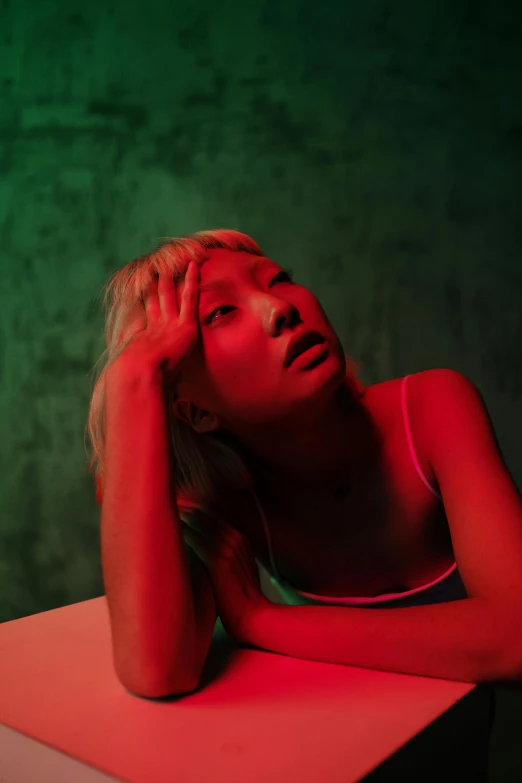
152	305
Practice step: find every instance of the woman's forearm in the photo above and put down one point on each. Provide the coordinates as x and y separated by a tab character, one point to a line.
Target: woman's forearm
145	568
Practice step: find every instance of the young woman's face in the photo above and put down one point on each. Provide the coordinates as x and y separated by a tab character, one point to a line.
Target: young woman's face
249	310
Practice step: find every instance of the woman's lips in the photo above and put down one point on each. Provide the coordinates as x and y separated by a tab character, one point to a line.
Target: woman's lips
310	356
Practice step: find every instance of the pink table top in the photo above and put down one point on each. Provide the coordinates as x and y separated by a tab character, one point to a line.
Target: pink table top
259	716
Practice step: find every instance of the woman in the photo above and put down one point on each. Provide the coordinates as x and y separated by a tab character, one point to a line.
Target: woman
330	482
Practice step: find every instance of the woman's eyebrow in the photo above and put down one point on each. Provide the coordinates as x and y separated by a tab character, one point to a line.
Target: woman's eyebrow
227	282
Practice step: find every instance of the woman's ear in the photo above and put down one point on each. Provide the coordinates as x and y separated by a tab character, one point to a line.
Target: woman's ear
197	418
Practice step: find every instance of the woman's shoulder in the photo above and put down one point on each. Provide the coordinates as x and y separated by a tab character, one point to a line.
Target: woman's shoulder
397	402
385	394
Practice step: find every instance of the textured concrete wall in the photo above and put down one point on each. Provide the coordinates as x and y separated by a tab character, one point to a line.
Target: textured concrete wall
374	147
377	150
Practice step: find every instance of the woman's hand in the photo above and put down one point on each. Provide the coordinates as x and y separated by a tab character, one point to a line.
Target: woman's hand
168	334
233	572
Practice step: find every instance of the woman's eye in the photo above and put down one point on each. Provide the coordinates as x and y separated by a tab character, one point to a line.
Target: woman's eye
208	318
287	275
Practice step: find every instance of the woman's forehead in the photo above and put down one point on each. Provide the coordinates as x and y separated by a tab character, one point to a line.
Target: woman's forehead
227	269
220	256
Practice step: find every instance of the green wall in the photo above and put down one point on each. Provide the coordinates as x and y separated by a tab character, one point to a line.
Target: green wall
375	147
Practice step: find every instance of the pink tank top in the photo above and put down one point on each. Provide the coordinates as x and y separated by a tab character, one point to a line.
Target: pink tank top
293	595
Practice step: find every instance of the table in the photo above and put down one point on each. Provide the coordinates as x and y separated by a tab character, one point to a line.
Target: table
257	716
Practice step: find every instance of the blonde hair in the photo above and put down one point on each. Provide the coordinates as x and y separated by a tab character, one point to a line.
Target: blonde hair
206	464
